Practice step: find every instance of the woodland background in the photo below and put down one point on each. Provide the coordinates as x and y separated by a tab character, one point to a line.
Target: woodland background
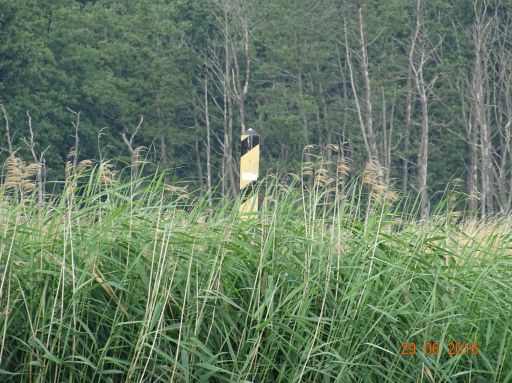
422	89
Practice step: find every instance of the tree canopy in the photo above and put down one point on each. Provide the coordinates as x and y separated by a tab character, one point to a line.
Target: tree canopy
422	88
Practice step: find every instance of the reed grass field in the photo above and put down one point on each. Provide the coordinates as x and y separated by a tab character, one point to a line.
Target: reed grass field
137	281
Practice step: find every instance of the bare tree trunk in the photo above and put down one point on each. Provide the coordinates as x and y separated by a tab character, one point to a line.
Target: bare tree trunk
343	102
300	88
472	141
385	144
473	168
356	97
366	123
408	112
7	131
423	91
319	127
501	179
480	111
503	114
503	151
228	147
507	153
326	117
234	81
163	149
423	150
407	141
228	178
198	161
134	152
208	143
485	139
242	91
391	148
372	142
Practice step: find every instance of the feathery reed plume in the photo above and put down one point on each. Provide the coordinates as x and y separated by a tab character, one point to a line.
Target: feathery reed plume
285	188
374	179
32	169
107	174
307	168
322	178
390	196
335	148
83	166
14	172
342	168
371	173
181	191
19	176
308	148
74	172
69	170
339	248
457	182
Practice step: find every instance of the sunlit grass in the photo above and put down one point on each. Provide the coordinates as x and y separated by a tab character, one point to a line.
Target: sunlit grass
131	281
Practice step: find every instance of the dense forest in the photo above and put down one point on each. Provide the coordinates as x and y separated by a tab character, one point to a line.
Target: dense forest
421	90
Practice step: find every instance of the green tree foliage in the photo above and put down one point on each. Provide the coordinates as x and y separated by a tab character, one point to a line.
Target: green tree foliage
115	61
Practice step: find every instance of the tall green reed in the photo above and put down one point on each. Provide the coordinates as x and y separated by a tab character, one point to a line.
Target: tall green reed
137	281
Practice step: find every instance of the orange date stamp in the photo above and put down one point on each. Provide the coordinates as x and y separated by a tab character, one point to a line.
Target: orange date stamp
434	348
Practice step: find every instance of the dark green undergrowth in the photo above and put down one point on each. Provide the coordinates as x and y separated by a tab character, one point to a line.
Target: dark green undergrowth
132	283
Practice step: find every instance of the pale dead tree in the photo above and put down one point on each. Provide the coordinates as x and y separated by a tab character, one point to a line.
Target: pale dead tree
10	148
505	190
356	95
228	102
471	139
220	63
385	145
502	109
197	140
134	152
38	160
326	14
365	111
368	92
423	149
229	66
490	84
343	100
502	159
327	140
208	142
215	75
409	104
387	132
426	53
393	148
163	136
301	104
241	85
482	40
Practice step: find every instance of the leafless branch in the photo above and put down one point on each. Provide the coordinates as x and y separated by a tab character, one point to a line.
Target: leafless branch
7	131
